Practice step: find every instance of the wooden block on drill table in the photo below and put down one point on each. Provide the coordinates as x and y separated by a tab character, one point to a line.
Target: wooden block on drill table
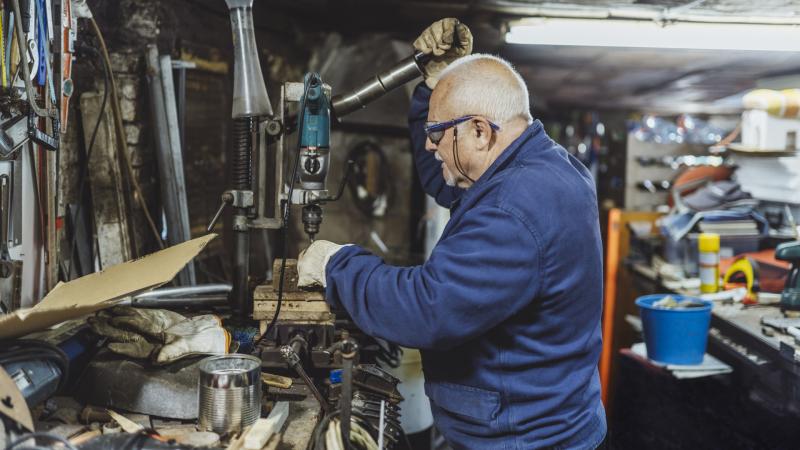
294	311
290	278
266	293
296	306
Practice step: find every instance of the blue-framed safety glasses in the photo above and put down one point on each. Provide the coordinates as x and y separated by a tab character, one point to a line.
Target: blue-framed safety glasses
435	130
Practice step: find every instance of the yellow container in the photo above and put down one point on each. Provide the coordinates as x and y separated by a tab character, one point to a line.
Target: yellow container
708	262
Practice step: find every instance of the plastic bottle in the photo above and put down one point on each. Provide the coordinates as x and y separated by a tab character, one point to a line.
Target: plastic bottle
708	262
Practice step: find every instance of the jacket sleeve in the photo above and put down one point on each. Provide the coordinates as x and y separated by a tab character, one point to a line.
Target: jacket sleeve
429	169
476	277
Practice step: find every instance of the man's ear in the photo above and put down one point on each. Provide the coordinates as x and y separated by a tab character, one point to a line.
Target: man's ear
482	132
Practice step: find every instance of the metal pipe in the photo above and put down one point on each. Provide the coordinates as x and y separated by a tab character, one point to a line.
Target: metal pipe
178	228
200	302
186	290
374	88
241	270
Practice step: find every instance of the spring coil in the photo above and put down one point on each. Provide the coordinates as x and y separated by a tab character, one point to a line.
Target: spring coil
242	161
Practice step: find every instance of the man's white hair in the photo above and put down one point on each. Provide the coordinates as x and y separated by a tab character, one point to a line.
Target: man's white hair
486	85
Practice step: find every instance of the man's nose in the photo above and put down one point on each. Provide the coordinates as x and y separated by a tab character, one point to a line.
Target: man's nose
429	146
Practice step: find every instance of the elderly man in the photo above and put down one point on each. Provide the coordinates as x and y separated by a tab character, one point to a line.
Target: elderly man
506	311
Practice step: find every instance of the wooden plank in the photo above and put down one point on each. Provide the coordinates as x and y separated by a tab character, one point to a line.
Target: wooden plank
266	293
110	205
617	302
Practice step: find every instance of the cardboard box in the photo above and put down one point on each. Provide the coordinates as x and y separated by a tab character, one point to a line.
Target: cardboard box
103	289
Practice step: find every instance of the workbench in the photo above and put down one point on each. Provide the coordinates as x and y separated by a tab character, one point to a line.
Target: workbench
765	381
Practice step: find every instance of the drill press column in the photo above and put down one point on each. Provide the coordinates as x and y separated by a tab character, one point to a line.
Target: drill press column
250	101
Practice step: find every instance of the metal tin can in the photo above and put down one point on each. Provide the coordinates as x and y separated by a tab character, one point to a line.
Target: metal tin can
230	393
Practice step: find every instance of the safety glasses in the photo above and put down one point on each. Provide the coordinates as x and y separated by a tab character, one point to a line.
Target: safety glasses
436	130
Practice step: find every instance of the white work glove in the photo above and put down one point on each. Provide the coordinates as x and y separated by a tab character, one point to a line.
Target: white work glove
198	335
312	262
159	335
437	40
128	324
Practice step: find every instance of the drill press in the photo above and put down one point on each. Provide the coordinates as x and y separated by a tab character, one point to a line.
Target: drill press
257	127
309	337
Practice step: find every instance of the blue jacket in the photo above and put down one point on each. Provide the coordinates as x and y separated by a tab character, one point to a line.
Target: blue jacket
507	309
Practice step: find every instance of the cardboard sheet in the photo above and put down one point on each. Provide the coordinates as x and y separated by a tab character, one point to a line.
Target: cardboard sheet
13	405
101	290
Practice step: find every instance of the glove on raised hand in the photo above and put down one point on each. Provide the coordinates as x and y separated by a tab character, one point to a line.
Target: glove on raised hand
438	41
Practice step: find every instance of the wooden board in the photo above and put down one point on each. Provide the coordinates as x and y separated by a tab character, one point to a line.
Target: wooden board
619	296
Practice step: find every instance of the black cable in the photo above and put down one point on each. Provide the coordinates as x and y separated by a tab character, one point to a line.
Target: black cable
459	167
84	167
40	435
288	211
322	425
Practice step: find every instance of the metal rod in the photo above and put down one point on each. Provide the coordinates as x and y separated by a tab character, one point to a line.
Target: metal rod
187	290
241	270
203	301
178	229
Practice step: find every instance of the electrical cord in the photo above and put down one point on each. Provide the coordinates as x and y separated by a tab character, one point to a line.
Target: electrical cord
287	213
122	140
84	167
317	441
39	435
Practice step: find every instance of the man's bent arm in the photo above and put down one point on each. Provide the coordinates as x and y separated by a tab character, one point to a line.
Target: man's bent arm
429	169
475	278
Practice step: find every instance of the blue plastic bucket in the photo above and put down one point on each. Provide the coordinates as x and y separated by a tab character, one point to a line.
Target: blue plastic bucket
674	336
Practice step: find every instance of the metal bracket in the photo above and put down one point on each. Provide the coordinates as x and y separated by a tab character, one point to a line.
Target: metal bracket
42	138
240	199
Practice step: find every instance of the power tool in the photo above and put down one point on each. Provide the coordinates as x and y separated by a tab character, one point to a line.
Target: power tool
790	297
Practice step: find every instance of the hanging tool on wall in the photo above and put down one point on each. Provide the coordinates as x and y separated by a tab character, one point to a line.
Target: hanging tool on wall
26	34
69	27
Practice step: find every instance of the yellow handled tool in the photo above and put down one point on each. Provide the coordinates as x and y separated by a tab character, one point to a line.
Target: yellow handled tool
749	268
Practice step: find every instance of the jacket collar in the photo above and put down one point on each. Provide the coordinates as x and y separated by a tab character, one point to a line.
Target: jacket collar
534	132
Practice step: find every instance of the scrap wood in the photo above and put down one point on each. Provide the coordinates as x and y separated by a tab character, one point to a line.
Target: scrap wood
127	425
260	432
276	380
84	437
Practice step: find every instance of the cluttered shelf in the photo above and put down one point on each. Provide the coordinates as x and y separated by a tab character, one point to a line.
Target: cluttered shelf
744	394
752	338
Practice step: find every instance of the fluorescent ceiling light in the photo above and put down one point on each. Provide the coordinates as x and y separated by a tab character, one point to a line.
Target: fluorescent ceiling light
648	34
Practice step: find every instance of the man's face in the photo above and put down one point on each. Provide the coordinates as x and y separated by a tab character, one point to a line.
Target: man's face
444	151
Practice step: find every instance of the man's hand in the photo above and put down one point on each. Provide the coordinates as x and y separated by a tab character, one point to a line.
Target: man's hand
437	40
312	262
